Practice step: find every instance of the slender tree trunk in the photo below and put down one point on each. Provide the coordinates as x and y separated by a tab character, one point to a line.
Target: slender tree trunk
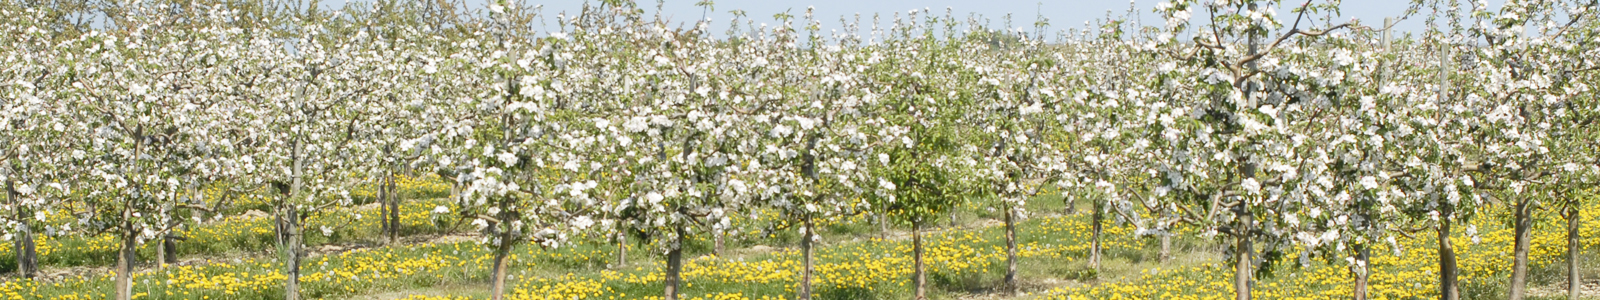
1574	278
161	253
125	257
280	226
169	246
394	210
1094	237
1242	250
290	220
169	238
1361	269
622	249
674	267
716	239
1166	247
125	254
383	205
292	285
167	252
27	255
921	275
1011	252
1242	256
295	250
502	254
1448	289
1519	263
805	249
280	233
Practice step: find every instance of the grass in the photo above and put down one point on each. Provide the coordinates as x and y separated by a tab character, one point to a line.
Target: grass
229	237
852	263
961	261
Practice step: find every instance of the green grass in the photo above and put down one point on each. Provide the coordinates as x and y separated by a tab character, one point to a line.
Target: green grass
230	237
462	269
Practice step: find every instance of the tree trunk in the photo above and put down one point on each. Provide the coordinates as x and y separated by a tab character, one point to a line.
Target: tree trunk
278	237
27	255
920	277
1448	289
394	210
1011	252
674	267
716	239
1166	247
168	252
1241	256
1094	237
289	226
161	253
293	249
1242	250
1574	278
383	206
622	248
805	249
1519	264
1361	269
501	254
125	254
169	245
125	257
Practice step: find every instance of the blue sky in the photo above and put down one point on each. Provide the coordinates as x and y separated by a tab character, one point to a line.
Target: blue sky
1060	13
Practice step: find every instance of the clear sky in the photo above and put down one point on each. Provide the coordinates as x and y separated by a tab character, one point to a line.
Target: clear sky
1060	13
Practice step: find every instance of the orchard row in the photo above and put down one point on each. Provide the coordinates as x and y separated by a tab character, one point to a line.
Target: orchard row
1268	125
